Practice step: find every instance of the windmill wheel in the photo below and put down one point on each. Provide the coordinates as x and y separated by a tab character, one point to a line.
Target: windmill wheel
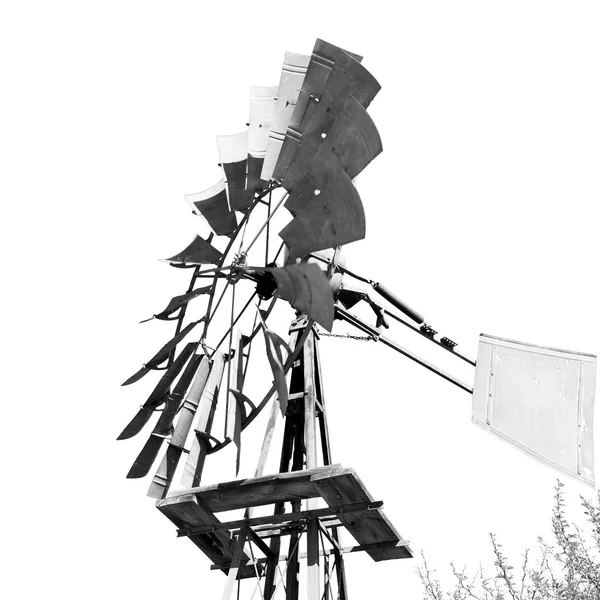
306	141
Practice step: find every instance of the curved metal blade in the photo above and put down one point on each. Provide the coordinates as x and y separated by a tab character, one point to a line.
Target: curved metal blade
166	471
262	109
354	138
235	405
178	301
162	354
213	206
163	426
233	152
347	77
306	288
199	252
274	346
332	141
195	462
334	217
157	397
325	57
292	76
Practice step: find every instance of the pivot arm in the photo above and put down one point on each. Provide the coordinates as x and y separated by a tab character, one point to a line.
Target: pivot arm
344	315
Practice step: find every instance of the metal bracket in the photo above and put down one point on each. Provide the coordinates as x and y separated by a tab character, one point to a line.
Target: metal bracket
300	323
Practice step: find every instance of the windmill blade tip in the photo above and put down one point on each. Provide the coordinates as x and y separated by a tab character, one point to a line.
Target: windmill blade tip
135	474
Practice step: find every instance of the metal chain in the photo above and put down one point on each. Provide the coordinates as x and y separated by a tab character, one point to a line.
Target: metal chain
361	338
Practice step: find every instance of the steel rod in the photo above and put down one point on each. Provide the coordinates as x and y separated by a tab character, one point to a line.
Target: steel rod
222	262
234	322
417	329
266	223
267	396
360	324
454	350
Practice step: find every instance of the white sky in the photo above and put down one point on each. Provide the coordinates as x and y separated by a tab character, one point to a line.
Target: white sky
481	213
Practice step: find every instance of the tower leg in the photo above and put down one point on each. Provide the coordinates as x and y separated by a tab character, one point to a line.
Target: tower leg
310	443
305	446
326	450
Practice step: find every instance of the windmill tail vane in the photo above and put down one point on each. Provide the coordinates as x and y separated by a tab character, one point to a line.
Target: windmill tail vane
306	141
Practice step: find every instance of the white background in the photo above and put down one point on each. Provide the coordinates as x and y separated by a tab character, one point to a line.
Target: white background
481	213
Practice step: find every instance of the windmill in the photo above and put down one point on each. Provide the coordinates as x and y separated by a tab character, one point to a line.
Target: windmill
306	141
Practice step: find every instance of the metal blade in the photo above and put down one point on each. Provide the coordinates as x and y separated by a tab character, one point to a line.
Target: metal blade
233	424
178	301
157	397
212	204
333	217
163	426
322	63
235	381
206	412
199	252
332	141
307	289
162	354
165	472
292	76
233	152
275	345
262	109
324	56
325	90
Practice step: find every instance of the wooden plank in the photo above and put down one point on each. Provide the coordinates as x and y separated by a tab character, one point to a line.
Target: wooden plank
254	537
266	445
310	444
266	531
326	450
312	560
283	518
367	527
326	552
187	511
310	396
236	562
258	491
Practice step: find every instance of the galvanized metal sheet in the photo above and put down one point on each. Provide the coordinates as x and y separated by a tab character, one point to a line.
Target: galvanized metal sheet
539	399
347	77
212	205
325	216
292	76
322	63
233	151
323	60
346	140
262	109
233	148
198	252
307	289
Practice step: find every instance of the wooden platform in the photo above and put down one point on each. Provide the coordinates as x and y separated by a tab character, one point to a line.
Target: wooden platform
350	504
